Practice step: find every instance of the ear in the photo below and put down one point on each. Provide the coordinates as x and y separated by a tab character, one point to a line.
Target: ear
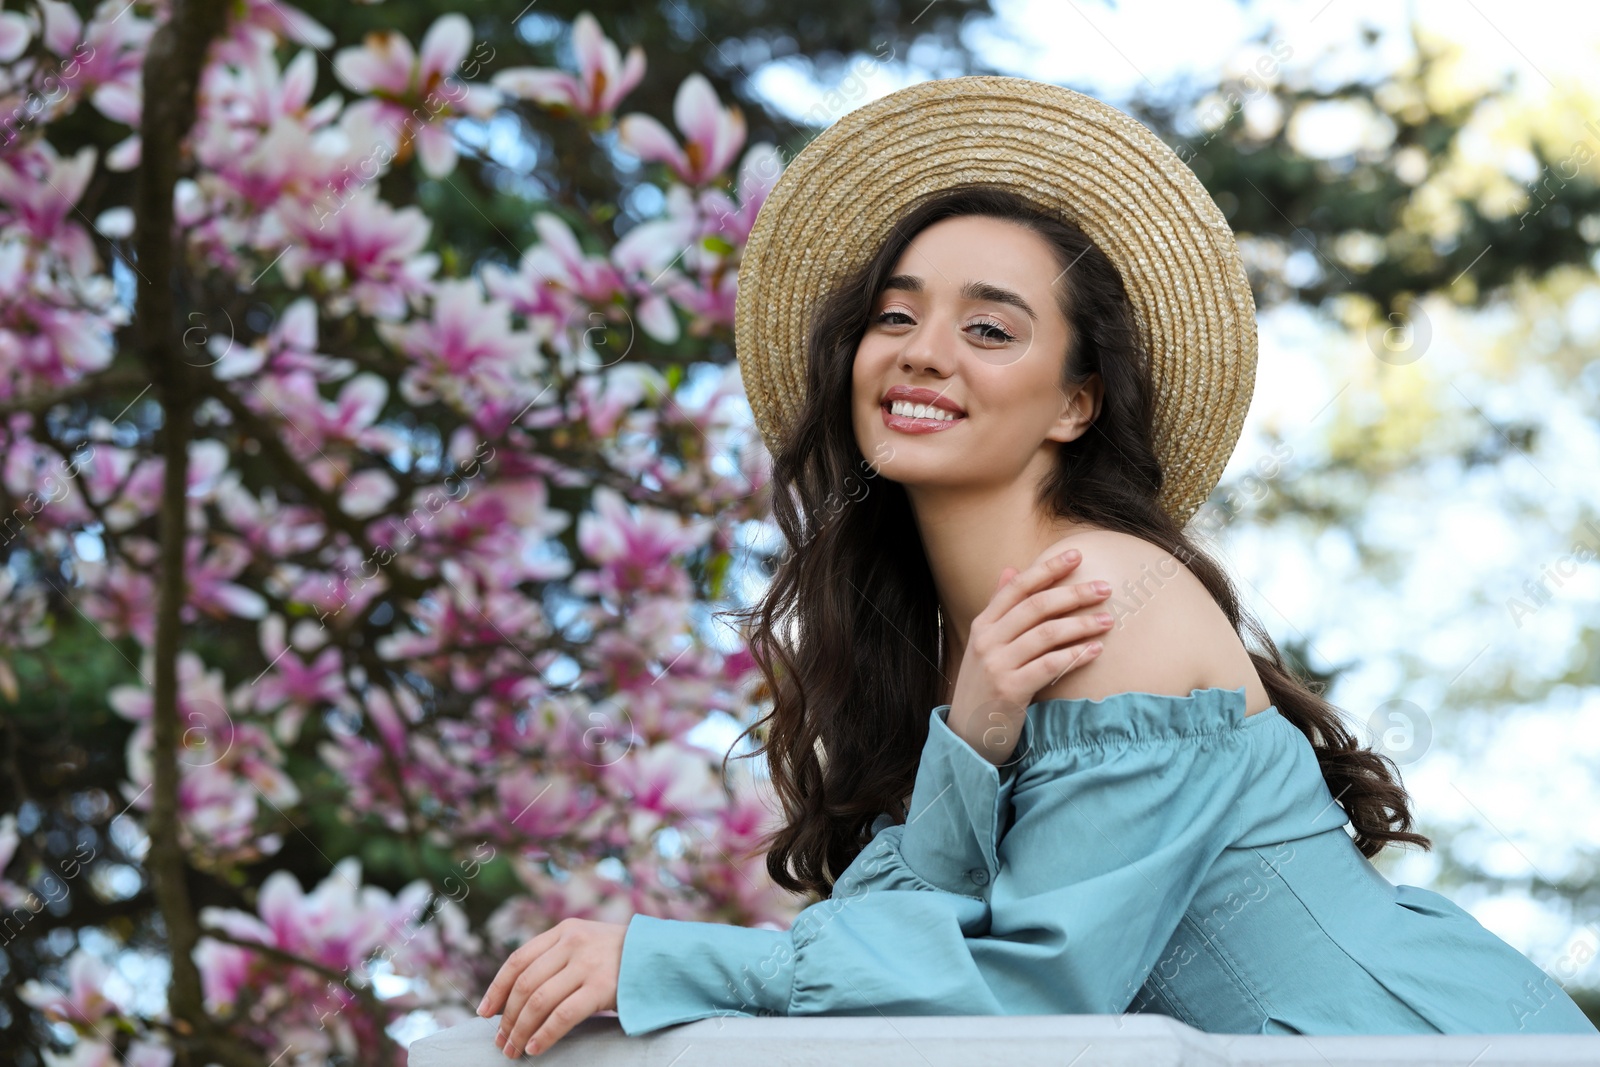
1079	408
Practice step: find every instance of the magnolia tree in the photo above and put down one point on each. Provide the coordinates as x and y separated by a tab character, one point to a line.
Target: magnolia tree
425	541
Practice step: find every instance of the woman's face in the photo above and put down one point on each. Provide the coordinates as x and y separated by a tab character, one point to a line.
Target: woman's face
969	314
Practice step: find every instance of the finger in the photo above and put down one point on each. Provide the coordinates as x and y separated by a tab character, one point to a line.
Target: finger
1079	599
578	1006
1036	577
1056	633
529	987
493	1001
1053	665
540	1004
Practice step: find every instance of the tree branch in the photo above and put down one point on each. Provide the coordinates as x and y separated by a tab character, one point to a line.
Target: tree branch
104	382
171	79
380	1015
400	582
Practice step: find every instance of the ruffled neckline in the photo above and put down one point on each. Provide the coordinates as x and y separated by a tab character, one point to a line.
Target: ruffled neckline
1134	716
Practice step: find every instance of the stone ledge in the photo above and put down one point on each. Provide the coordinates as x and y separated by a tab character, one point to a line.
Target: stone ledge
1143	1040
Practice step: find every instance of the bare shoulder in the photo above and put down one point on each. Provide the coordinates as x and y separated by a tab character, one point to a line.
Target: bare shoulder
1169	636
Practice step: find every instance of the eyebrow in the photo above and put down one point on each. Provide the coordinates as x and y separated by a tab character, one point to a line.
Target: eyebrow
984	291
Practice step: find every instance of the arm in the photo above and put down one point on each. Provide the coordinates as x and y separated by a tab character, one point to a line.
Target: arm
1121	806
952	832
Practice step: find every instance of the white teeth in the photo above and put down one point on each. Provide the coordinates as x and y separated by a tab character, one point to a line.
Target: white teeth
921	411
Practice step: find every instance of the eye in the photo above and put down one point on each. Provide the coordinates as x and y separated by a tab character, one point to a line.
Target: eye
999	335
884	318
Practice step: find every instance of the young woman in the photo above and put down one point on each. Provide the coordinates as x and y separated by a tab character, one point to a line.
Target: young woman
1114	805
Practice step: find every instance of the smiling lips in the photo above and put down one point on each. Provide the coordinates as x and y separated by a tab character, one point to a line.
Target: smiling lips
925	411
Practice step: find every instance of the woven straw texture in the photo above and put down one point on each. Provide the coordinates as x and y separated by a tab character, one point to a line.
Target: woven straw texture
832	208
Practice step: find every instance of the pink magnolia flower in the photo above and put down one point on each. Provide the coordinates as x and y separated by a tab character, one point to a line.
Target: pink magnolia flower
317	427
666	783
286	21
635	548
293	687
410	93
261	142
710	301
127	497
472	613
225	766
251	170
206	581
604	398
559	258
104	62
467	354
290	346
741	879
120	598
603	78
367	251
39	192
268	528
647	255
256	93
583	894
347	584
84	1001
714	133
572	295
556	284
711	415
759	171
340	924
43	343
686	257
497	528
16	30
255	23
540	808
334	924
62	26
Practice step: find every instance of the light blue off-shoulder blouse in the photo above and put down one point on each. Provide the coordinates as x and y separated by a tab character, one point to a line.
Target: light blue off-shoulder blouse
1143	853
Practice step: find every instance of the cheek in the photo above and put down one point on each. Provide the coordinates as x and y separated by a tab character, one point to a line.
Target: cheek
872	353
863	387
1029	400
867	376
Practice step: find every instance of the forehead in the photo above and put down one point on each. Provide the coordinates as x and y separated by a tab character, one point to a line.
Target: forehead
978	246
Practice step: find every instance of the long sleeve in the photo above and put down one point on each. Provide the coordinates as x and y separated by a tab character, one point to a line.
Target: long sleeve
1120	807
959	803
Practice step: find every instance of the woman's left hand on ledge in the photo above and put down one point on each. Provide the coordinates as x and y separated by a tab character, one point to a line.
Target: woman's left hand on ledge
553	982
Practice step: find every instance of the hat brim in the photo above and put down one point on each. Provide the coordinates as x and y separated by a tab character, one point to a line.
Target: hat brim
833	206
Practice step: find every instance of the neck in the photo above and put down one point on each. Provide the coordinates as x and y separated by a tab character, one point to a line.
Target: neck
969	537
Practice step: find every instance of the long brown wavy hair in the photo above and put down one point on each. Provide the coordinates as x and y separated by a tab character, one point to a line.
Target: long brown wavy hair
847	635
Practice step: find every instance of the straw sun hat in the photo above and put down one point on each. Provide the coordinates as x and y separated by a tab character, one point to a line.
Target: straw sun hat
833	206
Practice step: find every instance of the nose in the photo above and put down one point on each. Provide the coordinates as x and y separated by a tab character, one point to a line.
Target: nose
929	349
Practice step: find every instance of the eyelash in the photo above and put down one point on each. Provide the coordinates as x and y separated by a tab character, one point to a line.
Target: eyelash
1003	338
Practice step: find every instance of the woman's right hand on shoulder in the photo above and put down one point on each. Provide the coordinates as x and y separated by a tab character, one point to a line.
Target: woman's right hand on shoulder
1021	642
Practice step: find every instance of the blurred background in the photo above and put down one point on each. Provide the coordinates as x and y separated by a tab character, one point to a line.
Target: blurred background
376	465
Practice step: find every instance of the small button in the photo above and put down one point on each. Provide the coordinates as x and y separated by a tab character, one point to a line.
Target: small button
979	876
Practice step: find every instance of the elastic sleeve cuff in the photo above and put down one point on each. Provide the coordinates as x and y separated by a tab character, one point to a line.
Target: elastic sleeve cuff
674	971
958	807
